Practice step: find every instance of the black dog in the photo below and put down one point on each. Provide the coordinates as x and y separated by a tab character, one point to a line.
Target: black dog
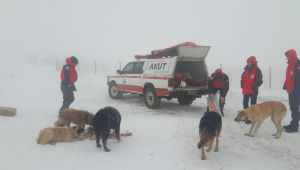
209	129
106	119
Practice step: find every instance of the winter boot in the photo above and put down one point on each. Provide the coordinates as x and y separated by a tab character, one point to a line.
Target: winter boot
291	129
287	126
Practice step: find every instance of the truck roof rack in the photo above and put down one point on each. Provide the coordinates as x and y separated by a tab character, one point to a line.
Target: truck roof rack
166	52
146	56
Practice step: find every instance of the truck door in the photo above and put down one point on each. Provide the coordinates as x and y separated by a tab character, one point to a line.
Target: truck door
134	78
127	76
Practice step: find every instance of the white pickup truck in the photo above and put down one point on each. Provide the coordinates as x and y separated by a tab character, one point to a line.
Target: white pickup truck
175	72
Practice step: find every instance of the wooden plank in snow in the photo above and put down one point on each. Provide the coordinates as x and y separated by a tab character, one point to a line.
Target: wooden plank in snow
8	111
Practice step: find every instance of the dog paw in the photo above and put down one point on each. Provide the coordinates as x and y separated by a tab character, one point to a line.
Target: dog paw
216	150
98	146
274	134
107	150
203	157
277	137
250	135
208	149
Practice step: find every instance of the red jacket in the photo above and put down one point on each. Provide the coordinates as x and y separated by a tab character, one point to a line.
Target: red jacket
218	81
251	78
68	74
290	74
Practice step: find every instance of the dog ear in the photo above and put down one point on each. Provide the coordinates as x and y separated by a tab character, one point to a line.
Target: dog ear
241	113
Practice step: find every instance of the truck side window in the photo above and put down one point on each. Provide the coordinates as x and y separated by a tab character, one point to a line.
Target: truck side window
139	68
129	68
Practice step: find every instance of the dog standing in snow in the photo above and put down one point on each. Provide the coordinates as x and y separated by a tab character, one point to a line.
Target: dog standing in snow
106	119
78	117
259	112
209	128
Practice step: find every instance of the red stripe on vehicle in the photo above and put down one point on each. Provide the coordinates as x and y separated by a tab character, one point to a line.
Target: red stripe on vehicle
157	78
159	92
133	76
130	88
115	76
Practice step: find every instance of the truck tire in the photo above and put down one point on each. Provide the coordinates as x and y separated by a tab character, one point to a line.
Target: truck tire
113	91
152	101
185	100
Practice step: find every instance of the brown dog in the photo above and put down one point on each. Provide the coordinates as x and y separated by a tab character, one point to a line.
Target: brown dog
78	117
52	135
259	112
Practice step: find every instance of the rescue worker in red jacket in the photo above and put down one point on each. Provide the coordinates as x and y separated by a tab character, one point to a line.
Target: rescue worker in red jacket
68	77
219	81
292	86
250	81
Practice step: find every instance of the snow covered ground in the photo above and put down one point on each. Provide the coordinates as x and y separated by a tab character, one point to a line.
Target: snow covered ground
164	139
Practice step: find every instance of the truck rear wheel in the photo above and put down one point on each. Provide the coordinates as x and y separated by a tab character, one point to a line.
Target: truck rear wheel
185	100
113	91
152	101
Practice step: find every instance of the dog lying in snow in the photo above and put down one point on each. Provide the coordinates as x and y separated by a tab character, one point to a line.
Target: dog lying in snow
259	112
78	117
52	135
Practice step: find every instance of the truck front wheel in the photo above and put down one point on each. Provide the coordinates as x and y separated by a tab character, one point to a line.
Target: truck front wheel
152	101
113	91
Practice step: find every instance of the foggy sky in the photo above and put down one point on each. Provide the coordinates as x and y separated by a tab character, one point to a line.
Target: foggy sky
117	30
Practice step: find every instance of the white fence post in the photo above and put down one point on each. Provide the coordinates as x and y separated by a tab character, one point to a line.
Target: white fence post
95	67
270	77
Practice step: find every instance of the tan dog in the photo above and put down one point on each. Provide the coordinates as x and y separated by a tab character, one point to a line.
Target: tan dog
78	117
52	135
259	112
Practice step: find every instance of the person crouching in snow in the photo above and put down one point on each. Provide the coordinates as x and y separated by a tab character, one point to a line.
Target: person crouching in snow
250	81
292	86
219	81
68	77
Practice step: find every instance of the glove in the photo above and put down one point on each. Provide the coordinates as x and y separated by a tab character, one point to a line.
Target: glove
72	87
222	100
255	88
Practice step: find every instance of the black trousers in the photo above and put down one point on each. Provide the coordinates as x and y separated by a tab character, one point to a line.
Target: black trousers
294	102
221	105
252	97
68	96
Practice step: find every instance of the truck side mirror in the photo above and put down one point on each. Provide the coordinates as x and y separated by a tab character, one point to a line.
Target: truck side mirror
119	71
